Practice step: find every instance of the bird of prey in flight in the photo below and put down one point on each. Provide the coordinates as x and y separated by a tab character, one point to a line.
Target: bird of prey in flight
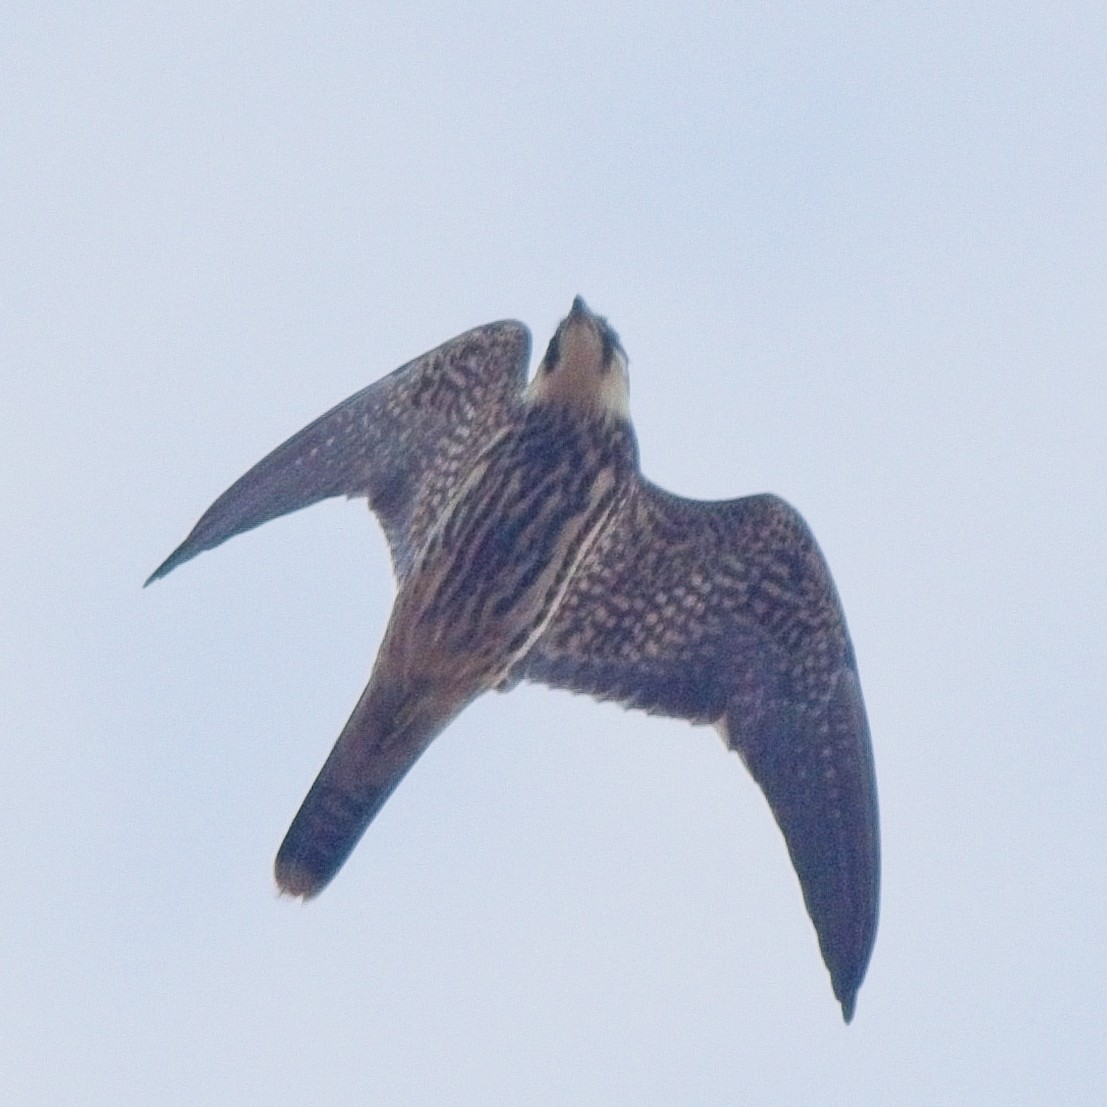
527	545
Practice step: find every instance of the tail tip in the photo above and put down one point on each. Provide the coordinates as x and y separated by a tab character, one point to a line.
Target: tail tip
296	879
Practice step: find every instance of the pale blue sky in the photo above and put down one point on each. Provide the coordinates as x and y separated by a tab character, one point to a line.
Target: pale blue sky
857	255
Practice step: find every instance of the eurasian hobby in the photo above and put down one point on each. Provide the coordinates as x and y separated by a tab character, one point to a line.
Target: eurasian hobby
527	545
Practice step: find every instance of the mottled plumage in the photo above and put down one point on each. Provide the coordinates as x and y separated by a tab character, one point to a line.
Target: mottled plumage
527	546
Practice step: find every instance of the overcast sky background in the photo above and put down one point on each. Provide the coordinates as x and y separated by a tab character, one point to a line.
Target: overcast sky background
858	257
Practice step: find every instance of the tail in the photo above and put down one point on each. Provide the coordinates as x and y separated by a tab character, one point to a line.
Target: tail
383	738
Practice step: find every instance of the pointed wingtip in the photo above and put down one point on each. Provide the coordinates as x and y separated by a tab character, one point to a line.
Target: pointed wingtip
168	565
846	987
157	574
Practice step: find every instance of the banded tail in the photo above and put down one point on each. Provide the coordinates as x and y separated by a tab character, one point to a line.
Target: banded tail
380	742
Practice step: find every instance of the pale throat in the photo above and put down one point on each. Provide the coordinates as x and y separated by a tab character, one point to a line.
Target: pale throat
581	382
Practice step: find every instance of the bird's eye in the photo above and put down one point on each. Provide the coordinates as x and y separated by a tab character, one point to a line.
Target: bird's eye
552	353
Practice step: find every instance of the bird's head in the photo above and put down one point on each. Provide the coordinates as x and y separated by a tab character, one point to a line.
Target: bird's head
585	367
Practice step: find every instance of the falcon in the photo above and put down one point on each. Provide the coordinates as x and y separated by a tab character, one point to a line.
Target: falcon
527	545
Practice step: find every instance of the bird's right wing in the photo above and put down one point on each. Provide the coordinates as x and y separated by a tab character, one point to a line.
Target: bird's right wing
400	443
726	613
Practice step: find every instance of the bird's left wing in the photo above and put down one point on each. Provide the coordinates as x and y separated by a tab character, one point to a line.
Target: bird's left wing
400	443
726	613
